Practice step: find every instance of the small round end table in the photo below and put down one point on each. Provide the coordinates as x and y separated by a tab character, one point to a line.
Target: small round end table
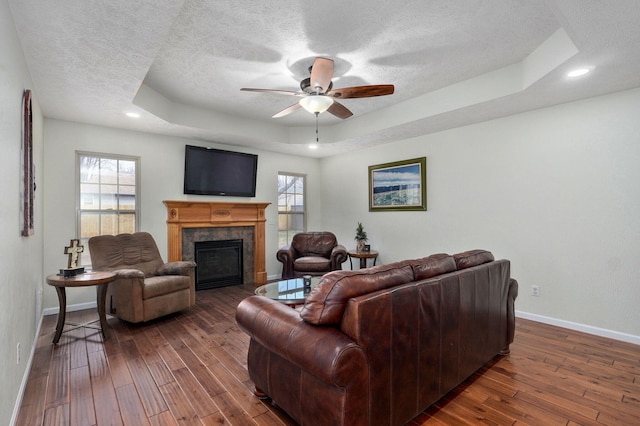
363	256
99	279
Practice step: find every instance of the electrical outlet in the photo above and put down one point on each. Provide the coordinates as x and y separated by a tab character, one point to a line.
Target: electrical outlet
18	354
535	290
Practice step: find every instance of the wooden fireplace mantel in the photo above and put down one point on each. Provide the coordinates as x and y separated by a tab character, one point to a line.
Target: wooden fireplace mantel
198	214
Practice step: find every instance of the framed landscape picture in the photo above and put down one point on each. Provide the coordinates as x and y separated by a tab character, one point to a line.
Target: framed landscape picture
401	185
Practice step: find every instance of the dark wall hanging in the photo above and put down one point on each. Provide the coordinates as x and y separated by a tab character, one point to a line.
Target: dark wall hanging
28	180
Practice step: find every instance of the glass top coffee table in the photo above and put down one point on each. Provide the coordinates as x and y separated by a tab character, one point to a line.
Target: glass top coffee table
291	292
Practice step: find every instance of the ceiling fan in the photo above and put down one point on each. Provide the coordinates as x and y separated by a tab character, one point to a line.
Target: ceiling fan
319	96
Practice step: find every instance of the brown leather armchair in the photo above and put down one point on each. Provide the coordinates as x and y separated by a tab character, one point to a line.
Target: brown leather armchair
311	253
145	287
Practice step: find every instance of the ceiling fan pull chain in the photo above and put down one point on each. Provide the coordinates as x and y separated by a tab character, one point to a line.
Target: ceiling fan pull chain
317	138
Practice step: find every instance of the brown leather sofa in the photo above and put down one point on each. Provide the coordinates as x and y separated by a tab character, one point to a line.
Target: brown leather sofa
378	346
311	253
145	287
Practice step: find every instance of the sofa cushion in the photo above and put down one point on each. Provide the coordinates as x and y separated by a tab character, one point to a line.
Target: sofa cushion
326	302
436	264
312	264
471	258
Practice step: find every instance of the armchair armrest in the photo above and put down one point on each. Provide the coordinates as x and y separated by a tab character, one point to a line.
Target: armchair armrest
511	310
124	294
180	267
338	257
324	352
129	273
286	255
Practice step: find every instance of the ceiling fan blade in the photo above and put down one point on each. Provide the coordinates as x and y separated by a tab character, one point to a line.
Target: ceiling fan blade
321	74
277	92
339	110
288	110
362	91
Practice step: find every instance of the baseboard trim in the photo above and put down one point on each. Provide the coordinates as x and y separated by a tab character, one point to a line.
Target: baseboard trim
25	377
616	335
27	371
71	308
602	332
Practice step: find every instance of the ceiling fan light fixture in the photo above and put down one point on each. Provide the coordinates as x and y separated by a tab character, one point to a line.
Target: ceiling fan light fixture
579	72
318	95
316	103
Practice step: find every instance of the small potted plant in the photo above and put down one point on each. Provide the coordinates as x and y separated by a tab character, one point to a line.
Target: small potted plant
361	237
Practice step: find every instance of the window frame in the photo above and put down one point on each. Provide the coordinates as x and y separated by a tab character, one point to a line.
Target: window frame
79	194
304	201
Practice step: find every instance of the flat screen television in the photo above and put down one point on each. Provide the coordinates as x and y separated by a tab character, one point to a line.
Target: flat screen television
209	171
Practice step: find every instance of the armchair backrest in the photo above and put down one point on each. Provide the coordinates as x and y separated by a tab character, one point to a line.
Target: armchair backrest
125	251
314	243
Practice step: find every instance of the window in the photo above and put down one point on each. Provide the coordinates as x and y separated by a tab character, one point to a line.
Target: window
107	196
291	207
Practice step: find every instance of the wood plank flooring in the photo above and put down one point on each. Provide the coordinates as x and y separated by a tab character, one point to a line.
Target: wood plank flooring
190	369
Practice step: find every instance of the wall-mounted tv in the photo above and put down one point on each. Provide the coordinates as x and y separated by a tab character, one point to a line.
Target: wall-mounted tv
209	171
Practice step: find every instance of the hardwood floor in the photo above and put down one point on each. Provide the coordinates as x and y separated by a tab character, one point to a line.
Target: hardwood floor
190	369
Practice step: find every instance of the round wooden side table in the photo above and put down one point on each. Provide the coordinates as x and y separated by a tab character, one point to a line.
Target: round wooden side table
363	256
99	279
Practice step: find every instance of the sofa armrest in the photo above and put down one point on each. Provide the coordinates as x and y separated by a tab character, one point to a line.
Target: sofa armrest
324	352
338	257
181	267
286	255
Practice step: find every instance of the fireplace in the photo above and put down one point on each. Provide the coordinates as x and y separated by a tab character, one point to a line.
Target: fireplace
190	221
219	263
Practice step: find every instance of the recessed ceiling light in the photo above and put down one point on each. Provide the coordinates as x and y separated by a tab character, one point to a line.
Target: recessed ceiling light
578	72
313	146
133	115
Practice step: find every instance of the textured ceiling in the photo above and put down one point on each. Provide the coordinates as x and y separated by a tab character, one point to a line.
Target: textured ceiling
180	64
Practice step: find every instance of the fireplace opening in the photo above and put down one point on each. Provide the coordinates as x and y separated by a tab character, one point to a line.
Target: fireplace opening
219	263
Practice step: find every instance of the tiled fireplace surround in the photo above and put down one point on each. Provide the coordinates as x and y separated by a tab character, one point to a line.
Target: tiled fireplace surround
191	221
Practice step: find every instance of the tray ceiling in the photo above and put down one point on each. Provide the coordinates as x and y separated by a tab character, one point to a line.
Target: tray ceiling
180	64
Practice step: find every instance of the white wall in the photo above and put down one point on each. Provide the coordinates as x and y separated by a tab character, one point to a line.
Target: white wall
21	260
161	171
553	190
556	191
